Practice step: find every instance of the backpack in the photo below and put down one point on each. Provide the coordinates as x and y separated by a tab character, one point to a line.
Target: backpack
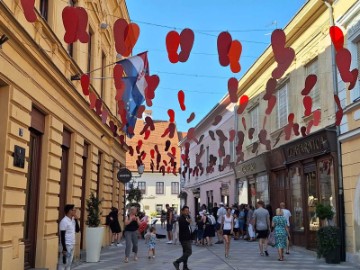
211	219
107	220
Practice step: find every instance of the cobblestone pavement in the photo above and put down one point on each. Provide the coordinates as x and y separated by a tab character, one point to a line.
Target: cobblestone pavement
243	255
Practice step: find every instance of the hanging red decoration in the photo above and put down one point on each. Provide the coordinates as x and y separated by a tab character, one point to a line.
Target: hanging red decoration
232	89
337	37
243	102
270	88
317	117
339	113
184	40
307	102
75	21
232	134
223	45
310	82
152	83
217	120
251	133
234	56
283	55
171	114
125	36
104	116
191	117
271	105
181	99
147	134
93	98
243	120
29	11
85	83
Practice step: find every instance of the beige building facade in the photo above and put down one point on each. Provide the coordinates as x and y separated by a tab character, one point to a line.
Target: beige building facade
54	149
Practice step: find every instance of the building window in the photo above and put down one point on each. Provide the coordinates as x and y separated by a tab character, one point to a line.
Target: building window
207	156
91	34
254	122
44	8
231	150
312	68
282	107
210	198
174	187
103	74
355	93
142	187
72	3
159	187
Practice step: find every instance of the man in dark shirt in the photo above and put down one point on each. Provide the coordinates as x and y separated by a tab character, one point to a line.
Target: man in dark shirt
184	237
169	222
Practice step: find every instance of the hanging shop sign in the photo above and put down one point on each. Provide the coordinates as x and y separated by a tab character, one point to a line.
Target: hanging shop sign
124	175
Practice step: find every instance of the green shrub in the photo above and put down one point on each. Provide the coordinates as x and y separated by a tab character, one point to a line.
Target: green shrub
328	238
93	211
324	211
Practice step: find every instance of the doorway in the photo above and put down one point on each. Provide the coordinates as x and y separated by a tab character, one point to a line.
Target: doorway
32	201
312	221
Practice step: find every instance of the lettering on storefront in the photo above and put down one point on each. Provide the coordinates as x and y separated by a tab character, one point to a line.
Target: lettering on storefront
256	165
248	168
306	148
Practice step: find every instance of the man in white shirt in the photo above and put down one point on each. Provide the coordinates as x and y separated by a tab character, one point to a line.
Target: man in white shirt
287	215
221	214
68	227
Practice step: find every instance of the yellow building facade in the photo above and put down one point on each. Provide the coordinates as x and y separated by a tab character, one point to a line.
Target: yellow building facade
302	171
348	18
54	149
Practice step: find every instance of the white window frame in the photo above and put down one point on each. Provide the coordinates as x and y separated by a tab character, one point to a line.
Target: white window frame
312	68
254	122
279	123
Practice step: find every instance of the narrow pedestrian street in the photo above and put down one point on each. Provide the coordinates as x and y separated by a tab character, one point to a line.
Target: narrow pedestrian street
243	255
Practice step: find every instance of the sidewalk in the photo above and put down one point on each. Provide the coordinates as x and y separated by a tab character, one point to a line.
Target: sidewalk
243	255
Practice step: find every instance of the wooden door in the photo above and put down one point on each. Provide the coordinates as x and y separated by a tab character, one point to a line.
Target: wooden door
32	195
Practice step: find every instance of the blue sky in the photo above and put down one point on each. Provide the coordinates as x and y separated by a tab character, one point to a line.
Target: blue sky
202	78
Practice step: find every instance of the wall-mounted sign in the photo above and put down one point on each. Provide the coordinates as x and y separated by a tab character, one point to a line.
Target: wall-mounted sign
19	156
124	175
252	166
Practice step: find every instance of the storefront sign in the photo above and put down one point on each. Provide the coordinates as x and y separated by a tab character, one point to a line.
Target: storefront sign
307	147
252	166
124	175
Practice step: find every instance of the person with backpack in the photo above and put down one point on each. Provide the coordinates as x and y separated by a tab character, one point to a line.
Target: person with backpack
112	221
209	232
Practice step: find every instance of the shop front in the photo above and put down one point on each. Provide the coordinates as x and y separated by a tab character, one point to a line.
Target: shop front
308	178
252	181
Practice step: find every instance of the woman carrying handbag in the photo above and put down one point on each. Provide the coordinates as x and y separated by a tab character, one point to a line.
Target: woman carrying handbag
281	232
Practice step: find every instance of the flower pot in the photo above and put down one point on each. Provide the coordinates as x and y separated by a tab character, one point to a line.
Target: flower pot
94	240
333	257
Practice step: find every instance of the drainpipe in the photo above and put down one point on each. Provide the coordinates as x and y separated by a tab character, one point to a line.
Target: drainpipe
236	126
341	206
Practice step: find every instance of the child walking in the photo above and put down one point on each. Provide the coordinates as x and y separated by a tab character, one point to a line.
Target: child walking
151	240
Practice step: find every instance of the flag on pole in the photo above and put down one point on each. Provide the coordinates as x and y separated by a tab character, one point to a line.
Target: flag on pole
135	68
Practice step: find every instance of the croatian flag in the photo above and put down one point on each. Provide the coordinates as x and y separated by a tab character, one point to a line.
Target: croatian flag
135	68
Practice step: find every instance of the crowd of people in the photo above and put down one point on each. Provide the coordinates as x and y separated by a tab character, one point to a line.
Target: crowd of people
238	222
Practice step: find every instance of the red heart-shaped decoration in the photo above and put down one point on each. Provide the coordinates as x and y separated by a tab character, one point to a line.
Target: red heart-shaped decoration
29	12
85	83
171	114
172	46
278	39
119	35
152	84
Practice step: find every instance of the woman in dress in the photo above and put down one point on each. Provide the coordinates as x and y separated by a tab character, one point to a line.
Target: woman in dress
228	228
281	232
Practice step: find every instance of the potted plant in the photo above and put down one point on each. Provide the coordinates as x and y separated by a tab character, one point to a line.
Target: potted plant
94	232
328	237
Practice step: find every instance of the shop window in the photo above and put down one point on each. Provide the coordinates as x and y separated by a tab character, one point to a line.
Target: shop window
313	199
327	183
159	208
296	199
262	189
254	121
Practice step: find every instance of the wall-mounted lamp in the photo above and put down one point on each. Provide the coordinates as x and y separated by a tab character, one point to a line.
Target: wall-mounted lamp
104	25
3	39
75	77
